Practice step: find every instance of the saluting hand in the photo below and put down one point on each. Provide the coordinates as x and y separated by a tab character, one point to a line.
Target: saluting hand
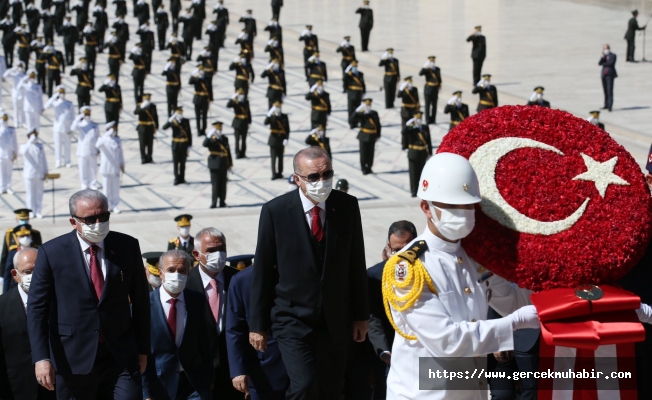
360	329
258	340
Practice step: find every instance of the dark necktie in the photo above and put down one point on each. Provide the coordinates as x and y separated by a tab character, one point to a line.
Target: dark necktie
316	224
172	319
96	272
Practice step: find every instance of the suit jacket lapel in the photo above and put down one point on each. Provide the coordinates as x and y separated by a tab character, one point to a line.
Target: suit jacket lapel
301	228
330	231
158	316
74	249
112	270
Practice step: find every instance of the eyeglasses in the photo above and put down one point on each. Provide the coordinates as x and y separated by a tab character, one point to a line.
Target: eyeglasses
90	220
392	251
312	178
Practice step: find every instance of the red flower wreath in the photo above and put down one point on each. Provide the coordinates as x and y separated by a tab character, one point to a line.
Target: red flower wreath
548	183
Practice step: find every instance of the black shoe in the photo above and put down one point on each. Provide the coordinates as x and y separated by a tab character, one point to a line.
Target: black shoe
238	157
365	172
274	177
369	171
176	183
604	108
213	206
414	195
222	205
182	181
279	176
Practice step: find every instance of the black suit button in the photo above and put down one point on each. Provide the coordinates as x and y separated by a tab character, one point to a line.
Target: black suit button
96	330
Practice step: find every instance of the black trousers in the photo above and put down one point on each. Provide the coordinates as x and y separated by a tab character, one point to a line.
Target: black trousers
218	184
179	156
221	35
69	48
188	44
40	74
242	84
315	366
415	168
389	83
146	139
172	101
477	70
112	115
365	38
54	80
139	89
185	389
318	118
358	366
161	39
201	115
84	99
353	103
367	150
630	49
100	40
9	55
276	12
240	141
107	380
608	88
114	68
276	154
431	106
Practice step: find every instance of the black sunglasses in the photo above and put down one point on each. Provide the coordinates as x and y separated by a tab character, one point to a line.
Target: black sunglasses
313	178
90	220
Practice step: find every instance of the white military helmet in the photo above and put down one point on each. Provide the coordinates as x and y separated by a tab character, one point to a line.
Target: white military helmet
449	178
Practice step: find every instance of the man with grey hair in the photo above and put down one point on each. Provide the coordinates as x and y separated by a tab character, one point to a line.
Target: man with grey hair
180	365
309	282
212	280
15	350
88	312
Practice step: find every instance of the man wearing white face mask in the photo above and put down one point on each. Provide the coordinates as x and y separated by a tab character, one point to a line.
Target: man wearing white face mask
35	169
64	115
106	307
184	241
309	282
18	73
88	132
112	163
458	110
450	319
180	365
23	234
212	280
536	99
32	94
8	153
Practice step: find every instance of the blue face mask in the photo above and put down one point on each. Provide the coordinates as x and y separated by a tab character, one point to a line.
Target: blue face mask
23	222
355	70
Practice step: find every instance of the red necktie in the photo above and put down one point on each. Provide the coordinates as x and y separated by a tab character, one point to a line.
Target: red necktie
172	319
96	272
316	224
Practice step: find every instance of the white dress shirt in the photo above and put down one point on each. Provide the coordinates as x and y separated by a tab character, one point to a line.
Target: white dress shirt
23	295
86	252
206	280
307	210
181	312
184	242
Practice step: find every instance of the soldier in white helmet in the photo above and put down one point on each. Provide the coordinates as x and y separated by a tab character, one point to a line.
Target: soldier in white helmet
437	296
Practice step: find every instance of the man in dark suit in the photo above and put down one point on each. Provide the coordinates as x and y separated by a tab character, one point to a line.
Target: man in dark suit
630	35
381	332
212	280
478	52
184	241
180	365
261	375
88	312
309	280
366	23
17	379
219	162
608	74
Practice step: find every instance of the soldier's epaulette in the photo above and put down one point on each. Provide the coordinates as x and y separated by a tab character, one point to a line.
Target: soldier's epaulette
14	247
173	240
414	252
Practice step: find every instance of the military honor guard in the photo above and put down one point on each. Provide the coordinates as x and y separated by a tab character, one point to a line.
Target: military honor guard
275	30
213	42
32	94
202	99
431	90
101	25
176	47
162	22
115	57
311	43
122	34
16	10
243	41
315	70
250	25
487	92
23	234
64	115
369	123
209	67
630	35
113	102
320	104
410	101
277	87
88	133
608	75
175	9
37	47
81	9
478	52
60	9
181	144
355	88
148	43
8	39
142	11
35	169
366	23
595	119
342	185
8	153
22	38
199	10
172	83
458	110
275	50
392	76
317	137
120	8
416	140
147	127
70	35
241	121
11	240
188	19
219	163
85	82
536	99
55	66
184	241
112	163
279	134
348	55
222	17
276	8
151	269
18	74
139	72
33	17
244	72
91	44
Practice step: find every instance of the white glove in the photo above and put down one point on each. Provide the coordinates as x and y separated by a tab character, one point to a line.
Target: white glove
285	142
645	314
525	317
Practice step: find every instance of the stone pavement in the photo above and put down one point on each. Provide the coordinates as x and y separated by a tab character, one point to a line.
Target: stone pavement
555	44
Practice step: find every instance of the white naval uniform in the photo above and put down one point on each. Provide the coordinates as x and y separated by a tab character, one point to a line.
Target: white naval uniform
8	152
32	103
3	69
64	115
452	323
16	94
110	162
86	150
35	167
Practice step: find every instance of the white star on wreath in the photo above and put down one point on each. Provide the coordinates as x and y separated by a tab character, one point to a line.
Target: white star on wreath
601	173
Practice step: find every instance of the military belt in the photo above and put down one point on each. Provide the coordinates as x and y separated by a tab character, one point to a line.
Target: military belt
414	147
181	140
218	153
410	105
347	58
40	61
114	56
84	84
390	73
367	130
310	48
242	77
355	88
53	67
319	108
487	103
432	84
113	100
277	87
316	76
146	123
240	116
278	132
139	66
23	46
455	122
91	43
201	94
172	83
